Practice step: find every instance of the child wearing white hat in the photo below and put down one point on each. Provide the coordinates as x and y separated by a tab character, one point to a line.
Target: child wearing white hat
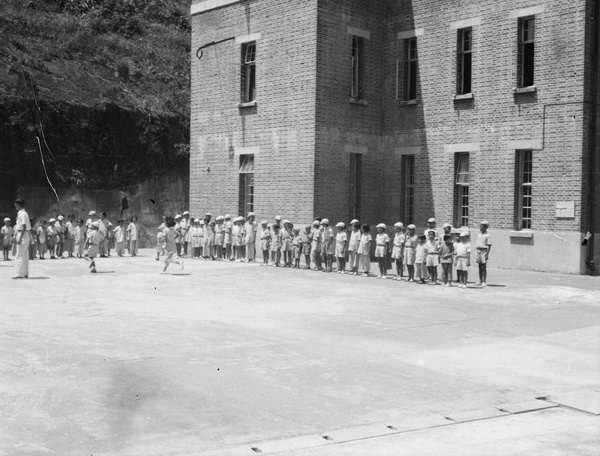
227	227
341	243
51	237
382	244
92	243
483	246
250	228
364	250
410	250
219	237
6	234
265	241
328	246
463	259
316	244
398	249
353	244
237	235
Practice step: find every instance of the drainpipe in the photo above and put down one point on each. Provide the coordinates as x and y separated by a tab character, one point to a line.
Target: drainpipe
593	140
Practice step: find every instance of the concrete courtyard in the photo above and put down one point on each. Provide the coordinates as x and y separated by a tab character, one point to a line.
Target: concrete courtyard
231	359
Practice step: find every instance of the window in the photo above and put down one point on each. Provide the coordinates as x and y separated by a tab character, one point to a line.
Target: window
409	91
248	72
357	53
464	61
408	173
355	178
524	194
246	184
526	52
461	189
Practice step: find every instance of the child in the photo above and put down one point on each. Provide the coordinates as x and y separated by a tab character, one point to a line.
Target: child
169	235
306	241
237	238
250	229
41	236
265	242
398	250
132	231
410	245
286	244
79	236
328	245
219	237
316	244
210	242
51	238
71	224
483	246
463	259
119	235
297	247
160	238
227	227
420	258
60	236
364	250
447	254
341	243
195	238
91	245
432	250
6	232
382	243
276	246
353	247
32	240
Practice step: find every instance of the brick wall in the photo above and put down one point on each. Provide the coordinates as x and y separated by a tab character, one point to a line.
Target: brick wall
281	126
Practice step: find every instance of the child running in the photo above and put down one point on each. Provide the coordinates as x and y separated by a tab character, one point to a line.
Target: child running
92	242
171	257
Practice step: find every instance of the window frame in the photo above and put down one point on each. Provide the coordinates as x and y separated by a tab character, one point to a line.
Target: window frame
526	44
464	59
246	172
408	188
357	52
355	185
248	70
411	64
524	190
461	189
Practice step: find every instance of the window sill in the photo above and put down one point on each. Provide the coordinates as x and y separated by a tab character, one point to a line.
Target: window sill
408	102
463	96
247	104
530	89
528	234
358	101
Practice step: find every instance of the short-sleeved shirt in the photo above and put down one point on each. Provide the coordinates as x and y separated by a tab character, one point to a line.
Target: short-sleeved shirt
119	234
251	228
341	238
483	241
463	250
169	239
399	239
364	248
420	253
133	231
447	253
22	219
354	241
383	239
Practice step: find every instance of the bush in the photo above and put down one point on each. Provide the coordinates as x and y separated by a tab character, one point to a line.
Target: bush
123	69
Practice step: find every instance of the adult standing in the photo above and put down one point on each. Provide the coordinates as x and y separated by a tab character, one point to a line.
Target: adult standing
22	240
103	229
186	224
91	220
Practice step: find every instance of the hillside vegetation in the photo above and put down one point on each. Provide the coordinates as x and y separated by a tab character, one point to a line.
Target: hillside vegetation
103	85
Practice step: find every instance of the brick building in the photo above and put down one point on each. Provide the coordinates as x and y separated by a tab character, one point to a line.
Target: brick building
399	110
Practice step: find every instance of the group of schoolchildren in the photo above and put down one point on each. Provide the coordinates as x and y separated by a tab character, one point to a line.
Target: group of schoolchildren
234	239
69	238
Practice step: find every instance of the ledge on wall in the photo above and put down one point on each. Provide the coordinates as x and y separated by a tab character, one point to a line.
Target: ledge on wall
530	89
464	96
522	234
408	102
358	101
247	104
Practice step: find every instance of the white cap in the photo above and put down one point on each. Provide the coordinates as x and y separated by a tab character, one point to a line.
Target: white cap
464	234
52	220
60	217
264	222
398	225
411	227
251	214
431	220
316	223
208	214
178	216
447	225
227	217
202	222
325	222
6	219
196	220
484	222
340	225
186	213
219	218
278	217
286	221
382	225
92	213
354	222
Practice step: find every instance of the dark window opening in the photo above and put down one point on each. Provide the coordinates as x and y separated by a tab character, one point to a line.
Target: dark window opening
408	174
464	61
526	53
357	72
410	70
248	92
355	181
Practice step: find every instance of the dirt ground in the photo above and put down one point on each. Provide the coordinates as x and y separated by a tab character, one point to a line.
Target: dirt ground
220	358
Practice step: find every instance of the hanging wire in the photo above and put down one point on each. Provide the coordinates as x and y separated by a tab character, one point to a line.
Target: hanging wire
45	171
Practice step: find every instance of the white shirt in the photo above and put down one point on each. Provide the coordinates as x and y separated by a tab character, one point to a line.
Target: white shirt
22	219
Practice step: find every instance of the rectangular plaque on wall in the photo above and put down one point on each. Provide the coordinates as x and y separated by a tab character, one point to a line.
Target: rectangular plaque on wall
565	209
